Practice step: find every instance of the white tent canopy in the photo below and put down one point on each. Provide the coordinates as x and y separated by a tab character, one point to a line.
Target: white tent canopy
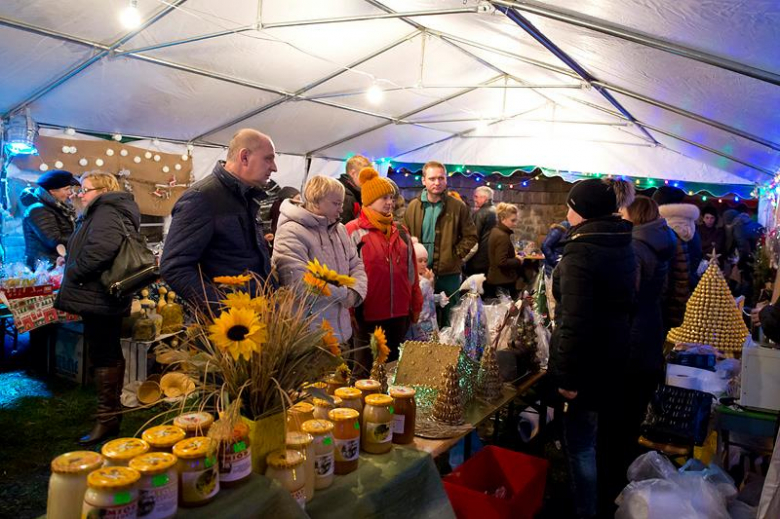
675	89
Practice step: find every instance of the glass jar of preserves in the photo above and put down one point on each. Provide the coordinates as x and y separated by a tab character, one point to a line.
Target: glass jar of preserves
322	432
234	453
299	413
158	489
119	452
286	467
68	483
405	414
322	386
304	443
194	424
346	436
334	383
377	435
112	492
322	407
198	471
368	386
351	398
163	437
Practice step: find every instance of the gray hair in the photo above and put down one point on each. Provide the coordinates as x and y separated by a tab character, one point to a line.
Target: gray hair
485	191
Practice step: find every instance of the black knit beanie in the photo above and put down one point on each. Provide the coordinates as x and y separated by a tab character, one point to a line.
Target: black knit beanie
592	198
668	195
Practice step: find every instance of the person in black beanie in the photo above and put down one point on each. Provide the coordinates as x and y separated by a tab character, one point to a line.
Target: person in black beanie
712	236
594	285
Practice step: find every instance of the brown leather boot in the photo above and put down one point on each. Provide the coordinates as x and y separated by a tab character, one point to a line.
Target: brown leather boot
107	424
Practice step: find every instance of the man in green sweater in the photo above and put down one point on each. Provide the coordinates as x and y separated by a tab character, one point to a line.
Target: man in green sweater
444	226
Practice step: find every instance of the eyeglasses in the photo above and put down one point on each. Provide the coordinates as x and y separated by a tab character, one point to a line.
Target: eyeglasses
84	191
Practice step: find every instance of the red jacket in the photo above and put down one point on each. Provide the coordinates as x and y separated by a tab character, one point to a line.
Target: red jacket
391	268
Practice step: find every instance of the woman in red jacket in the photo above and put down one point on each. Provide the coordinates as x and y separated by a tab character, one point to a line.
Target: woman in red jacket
393	300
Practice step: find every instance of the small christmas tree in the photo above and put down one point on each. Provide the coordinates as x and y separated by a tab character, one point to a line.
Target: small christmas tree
489	379
448	407
379	374
711	315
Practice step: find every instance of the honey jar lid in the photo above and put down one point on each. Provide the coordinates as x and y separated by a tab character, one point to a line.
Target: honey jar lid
284	459
402	392
348	393
197	447
302	407
298	439
317	427
77	462
343	414
124	448
194	421
368	384
113	477
164	435
317	385
379	400
153	463
321	402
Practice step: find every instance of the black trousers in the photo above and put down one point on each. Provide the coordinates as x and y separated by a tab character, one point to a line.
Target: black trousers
395	330
101	337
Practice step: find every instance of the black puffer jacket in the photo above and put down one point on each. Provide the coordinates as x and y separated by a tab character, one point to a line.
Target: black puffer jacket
678	286
91	251
594	285
353	200
484	220
47	223
654	245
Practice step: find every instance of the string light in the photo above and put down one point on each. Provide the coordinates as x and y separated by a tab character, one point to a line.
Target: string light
131	16
374	94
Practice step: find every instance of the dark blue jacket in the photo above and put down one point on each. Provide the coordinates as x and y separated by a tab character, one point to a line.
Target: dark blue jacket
91	251
47	223
552	246
216	230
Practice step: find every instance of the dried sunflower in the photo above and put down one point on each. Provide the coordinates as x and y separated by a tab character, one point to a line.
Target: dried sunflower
316	286
233	280
379	345
329	340
322	272
239	332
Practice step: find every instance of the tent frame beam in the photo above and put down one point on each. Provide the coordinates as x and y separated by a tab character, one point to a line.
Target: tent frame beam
446	87
368	17
42	91
601	26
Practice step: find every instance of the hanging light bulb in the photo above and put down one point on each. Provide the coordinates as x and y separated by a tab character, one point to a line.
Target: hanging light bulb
481	128
375	94
131	16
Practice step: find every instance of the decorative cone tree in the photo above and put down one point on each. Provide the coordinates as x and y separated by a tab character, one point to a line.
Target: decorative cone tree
448	407
379	374
489	379
711	315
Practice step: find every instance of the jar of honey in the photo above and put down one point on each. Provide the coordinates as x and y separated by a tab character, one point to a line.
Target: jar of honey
377	437
119	452
346	436
111	492
405	415
351	398
334	383
368	386
163	437
194	424
234	452
322	431
198	470
286	467
158	489
297	414
304	443
322	407
68	483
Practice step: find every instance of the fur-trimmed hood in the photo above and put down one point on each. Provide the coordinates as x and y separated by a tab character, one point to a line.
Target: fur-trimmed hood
682	218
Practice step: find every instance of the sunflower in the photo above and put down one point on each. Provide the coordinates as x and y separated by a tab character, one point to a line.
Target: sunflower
329	340
316	286
239	332
233	280
244	300
343	373
322	272
379	345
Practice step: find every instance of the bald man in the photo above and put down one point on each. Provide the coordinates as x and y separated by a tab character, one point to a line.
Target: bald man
217	229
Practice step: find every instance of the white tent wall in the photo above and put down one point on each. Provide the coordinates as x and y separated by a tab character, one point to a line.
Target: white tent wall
200	69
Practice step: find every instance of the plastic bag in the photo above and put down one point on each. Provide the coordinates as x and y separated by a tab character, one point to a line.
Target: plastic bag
495	315
652	465
469	326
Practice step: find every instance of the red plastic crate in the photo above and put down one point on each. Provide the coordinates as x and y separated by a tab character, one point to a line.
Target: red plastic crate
523	476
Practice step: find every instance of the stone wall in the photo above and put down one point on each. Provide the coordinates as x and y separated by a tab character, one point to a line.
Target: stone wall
542	202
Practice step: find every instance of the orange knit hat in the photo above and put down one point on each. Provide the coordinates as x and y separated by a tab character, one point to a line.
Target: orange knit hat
372	186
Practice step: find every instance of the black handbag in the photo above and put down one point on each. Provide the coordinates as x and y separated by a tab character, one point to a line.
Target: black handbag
677	415
134	267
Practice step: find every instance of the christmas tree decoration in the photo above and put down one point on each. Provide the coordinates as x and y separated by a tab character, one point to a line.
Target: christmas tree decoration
711	315
448	407
489	379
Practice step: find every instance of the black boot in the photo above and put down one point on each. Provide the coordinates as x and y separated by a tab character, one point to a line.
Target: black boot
107	424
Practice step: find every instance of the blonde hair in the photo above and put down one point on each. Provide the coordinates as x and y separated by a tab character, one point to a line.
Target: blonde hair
101	180
356	163
319	187
433	164
504	210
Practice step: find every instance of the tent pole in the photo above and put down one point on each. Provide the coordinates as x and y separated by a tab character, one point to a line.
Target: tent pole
604	27
367	17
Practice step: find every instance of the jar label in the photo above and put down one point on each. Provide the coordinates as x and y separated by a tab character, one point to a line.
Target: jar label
113	512
199	485
157	502
347	450
323	465
235	465
378	432
399	421
300	496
